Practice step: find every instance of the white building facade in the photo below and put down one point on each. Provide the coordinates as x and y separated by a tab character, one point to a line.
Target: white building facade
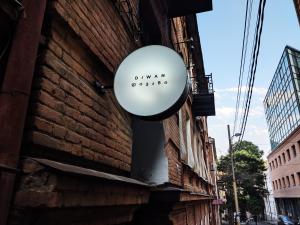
270	205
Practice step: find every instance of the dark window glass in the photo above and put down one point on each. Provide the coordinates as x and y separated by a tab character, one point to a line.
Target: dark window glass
294	151
288	154
288	181
293	180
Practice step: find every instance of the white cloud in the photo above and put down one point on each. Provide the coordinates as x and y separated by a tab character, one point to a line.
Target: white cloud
256	90
217	95
256	130
256	111
229	112
225	111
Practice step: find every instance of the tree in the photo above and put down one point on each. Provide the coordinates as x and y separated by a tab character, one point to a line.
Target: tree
250	178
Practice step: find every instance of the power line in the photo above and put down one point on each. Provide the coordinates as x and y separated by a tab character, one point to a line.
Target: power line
250	74
252	71
241	74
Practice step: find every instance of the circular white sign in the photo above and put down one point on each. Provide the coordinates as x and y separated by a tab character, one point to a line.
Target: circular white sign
152	82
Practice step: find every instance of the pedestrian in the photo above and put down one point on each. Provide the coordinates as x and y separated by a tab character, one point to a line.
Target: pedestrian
255	219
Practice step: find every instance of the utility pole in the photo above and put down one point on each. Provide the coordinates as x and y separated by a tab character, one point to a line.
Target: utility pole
233	176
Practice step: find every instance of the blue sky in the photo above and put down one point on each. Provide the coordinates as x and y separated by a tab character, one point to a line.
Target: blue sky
221	32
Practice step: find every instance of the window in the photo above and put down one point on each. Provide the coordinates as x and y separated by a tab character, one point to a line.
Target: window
293	179
276	163
283	182
279	159
200	157
288	154
188	133
294	151
273	164
276	184
270	166
283	157
279	183
196	153
298	145
273	184
191	161
288	181
298	178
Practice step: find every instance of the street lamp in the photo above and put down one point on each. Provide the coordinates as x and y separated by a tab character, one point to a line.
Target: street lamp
233	174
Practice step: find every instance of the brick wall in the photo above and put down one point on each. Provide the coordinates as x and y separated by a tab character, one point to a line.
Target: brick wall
191	214
284	170
179	36
80	47
92	21
175	165
171	126
67	113
178	217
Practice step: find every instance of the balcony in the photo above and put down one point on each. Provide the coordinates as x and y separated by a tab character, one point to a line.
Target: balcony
203	97
186	7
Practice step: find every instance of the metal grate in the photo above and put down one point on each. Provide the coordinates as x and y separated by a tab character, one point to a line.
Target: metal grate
203	97
203	85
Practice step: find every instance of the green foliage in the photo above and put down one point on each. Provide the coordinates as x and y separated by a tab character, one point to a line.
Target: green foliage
250	178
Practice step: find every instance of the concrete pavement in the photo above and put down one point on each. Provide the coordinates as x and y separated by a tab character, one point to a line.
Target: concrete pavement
253	223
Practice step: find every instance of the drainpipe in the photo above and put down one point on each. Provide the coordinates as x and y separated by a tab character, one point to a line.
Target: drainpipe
14	96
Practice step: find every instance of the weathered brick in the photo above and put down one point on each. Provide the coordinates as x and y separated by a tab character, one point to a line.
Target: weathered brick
49	114
59	131
72	137
74	13
73	64
55	48
43	125
70	89
45	140
85	123
50	74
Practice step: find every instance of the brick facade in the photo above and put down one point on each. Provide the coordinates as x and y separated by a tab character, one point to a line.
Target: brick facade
87	138
283	163
68	114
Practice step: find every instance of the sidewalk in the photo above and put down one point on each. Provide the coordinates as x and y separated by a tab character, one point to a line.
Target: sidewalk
258	223
271	222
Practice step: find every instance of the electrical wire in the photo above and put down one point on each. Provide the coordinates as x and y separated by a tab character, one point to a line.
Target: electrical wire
240	74
243	65
249	77
251	70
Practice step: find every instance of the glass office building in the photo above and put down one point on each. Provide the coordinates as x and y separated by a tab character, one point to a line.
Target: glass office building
282	106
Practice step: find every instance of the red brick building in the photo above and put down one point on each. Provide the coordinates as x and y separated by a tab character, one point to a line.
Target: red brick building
69	153
285	175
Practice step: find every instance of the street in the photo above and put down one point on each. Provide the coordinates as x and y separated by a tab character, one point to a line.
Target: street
253	223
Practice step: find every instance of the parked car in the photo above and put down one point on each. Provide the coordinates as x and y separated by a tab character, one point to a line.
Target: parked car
285	220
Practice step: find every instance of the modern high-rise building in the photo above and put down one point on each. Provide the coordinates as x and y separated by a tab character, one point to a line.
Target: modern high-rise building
282	110
282	99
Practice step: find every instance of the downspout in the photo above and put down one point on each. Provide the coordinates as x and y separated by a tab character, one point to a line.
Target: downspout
14	97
